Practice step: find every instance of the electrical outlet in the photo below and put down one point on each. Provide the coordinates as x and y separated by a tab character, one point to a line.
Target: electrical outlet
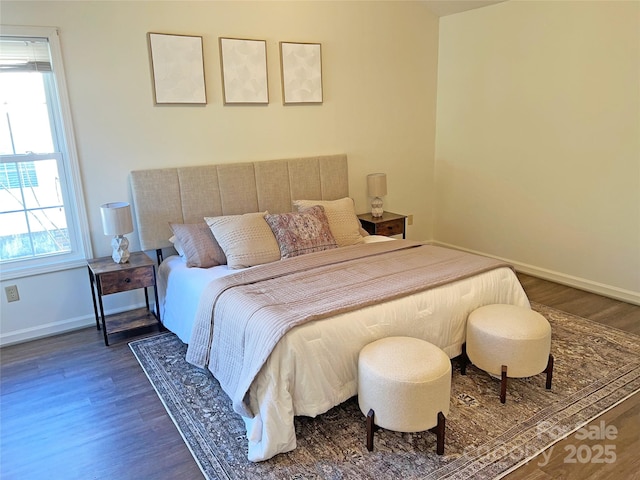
409	219
12	293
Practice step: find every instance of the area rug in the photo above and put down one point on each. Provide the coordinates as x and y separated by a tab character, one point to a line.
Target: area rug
595	369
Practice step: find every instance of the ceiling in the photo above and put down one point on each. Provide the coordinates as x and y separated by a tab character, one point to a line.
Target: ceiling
449	7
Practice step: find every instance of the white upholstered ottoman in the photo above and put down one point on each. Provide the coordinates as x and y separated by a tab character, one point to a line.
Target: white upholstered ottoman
508	341
404	384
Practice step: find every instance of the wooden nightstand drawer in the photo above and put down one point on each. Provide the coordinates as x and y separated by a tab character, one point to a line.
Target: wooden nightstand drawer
388	224
131	279
395	227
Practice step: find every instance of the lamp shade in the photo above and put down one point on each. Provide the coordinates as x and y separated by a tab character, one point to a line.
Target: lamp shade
377	184
116	218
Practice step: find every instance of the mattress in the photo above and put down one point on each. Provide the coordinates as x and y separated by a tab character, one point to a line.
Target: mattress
179	291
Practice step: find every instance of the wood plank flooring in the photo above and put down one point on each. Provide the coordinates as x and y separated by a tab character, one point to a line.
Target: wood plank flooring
575	458
71	408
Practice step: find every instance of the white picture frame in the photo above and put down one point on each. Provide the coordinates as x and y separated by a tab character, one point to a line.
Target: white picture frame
244	71
177	69
301	69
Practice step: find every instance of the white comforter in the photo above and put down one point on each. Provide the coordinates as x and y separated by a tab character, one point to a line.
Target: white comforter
329	347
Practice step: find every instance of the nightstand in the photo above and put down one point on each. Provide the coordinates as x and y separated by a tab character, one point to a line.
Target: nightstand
107	277
388	224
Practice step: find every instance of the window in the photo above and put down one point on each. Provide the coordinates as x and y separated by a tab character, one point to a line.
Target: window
43	224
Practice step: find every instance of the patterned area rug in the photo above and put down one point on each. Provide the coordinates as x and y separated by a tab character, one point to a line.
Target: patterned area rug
595	369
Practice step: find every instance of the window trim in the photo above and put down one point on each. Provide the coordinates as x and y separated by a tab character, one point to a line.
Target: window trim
77	211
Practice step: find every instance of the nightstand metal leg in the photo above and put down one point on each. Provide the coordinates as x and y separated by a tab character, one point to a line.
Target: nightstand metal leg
104	325
92	281
146	298
155	294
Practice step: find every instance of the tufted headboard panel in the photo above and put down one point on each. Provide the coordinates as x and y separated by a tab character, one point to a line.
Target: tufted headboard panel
188	194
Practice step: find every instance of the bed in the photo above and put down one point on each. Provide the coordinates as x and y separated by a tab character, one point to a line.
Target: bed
308	366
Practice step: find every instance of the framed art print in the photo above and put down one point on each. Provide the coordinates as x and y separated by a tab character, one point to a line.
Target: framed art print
301	68
244	71
177	68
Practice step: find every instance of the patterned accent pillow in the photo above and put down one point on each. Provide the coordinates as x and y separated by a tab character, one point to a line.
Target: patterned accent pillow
303	232
342	217
245	239
196	243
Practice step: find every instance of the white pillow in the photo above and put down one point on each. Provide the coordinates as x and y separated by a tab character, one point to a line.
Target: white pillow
246	240
343	222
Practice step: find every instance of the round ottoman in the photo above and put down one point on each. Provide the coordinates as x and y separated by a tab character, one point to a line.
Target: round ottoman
404	384
509	341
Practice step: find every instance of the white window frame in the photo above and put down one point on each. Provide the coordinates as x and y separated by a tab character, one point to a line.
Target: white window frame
78	225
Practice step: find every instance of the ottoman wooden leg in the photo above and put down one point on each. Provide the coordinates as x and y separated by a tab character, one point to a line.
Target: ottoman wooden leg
549	372
503	385
370	429
439	431
464	360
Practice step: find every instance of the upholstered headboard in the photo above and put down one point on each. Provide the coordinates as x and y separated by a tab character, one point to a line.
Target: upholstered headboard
188	194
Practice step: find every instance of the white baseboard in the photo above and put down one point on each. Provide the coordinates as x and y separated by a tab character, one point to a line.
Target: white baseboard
561	278
54	328
46	330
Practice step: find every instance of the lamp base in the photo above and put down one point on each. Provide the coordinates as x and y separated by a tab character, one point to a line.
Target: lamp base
376	207
120	245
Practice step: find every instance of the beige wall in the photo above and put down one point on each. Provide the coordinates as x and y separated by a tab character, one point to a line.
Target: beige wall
538	134
538	139
379	72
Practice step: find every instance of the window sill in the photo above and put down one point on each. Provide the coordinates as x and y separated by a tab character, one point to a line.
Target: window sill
11	272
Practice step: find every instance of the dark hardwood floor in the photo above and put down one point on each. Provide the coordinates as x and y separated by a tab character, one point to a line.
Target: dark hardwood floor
72	408
556	462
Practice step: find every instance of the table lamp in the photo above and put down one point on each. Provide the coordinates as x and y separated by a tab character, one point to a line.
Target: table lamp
116	221
377	187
